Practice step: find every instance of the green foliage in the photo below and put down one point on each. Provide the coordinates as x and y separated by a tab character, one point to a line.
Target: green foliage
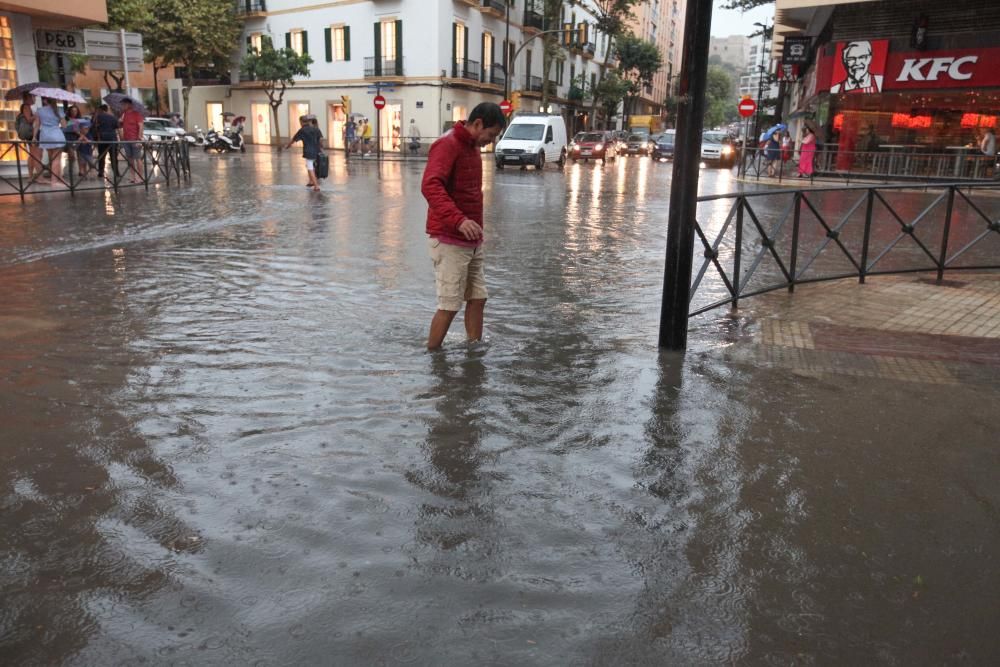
745	5
612	16
720	99
610	92
131	15
638	60
276	69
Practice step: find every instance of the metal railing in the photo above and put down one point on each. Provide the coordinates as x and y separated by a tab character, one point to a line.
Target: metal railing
590	48
376	67
533	84
120	163
496	5
496	75
764	241
244	7
465	69
533	19
883	164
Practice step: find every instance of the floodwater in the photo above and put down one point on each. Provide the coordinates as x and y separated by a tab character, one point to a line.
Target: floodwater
223	443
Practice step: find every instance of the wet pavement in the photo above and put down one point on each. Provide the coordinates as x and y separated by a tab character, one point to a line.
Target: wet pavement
224	444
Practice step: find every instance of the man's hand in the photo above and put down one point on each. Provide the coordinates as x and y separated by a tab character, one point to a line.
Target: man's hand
471	230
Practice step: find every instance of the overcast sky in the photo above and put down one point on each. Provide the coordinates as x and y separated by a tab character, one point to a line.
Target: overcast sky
727	22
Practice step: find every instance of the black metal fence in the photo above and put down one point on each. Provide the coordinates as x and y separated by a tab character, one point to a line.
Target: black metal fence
465	69
376	67
25	169
887	164
764	241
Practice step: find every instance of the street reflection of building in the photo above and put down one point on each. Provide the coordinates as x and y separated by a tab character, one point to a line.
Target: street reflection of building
432	60
909	78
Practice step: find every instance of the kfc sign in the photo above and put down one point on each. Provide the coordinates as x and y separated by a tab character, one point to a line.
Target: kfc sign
856	67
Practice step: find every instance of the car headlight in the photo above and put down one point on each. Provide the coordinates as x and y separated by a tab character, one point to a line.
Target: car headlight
727	150
599	147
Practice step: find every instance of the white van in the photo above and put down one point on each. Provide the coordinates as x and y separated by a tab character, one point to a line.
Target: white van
532	138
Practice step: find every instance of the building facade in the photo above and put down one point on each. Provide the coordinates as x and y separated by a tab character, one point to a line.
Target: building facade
660	22
733	50
759	70
432	60
918	75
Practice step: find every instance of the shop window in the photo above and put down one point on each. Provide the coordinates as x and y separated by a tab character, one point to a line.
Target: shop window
8	80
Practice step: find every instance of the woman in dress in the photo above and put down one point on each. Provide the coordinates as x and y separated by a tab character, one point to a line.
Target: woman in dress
77	129
49	123
807	152
25	126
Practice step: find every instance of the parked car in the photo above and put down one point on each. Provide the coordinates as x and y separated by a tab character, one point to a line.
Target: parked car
638	144
593	146
664	148
717	149
532	138
159	129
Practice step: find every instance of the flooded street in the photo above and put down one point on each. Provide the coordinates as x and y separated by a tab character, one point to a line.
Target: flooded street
224	444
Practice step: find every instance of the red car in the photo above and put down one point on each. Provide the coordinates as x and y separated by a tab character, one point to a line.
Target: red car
593	146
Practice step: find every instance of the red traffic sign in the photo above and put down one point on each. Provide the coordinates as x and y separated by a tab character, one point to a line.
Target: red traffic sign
379	102
506	106
746	107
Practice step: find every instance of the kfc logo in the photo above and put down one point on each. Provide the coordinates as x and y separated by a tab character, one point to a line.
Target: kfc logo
860	66
929	69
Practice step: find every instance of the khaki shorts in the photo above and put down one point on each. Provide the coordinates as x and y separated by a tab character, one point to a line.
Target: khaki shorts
458	273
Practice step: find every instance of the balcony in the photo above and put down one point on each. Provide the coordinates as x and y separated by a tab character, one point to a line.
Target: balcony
249	8
532	84
496	75
497	8
533	21
465	69
376	68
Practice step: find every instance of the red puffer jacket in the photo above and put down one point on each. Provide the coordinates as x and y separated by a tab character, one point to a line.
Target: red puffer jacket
453	185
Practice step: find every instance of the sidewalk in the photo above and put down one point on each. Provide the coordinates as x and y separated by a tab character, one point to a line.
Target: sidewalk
895	327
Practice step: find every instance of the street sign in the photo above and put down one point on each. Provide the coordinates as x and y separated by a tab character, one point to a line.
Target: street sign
379	91
104	48
60	41
379	102
506	107
746	107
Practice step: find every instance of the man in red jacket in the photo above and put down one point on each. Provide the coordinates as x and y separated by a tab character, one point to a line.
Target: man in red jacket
453	187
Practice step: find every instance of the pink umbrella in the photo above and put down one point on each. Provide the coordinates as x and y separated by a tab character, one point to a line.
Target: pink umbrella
58	94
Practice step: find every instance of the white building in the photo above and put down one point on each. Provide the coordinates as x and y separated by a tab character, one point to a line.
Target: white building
733	50
433	61
759	64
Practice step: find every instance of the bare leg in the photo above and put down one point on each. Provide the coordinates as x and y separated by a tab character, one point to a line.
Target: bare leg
55	165
439	328
474	318
313	181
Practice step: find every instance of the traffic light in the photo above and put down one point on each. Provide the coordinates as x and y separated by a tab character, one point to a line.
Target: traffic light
583	33
346	101
567	34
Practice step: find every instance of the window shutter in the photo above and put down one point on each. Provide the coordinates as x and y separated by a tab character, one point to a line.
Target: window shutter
249	44
305	42
288	40
328	36
347	42
399	48
454	49
378	48
482	57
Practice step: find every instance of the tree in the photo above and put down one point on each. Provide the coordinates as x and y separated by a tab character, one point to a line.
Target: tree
276	69
746	5
609	93
639	61
130	15
720	102
551	10
611	18
193	33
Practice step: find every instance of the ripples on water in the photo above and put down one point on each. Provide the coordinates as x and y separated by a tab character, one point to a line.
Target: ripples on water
224	444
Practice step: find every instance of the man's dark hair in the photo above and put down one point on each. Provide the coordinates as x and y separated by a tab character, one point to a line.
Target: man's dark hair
490	114
103	107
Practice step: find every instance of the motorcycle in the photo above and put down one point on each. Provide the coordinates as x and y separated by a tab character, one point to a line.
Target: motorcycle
231	140
196	137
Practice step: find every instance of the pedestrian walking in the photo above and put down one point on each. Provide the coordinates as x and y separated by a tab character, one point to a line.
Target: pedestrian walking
988	146
366	137
413	132
311	138
131	134
25	127
104	129
807	153
772	153
350	136
453	187
49	123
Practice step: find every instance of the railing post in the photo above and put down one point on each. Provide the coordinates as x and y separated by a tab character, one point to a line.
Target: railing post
71	165
867	236
145	165
17	159
738	253
946	233
795	240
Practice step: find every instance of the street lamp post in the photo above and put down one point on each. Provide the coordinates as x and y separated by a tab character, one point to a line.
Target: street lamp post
760	80
506	58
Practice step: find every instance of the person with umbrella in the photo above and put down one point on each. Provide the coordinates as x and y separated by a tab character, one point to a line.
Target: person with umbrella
49	124
130	132
25	126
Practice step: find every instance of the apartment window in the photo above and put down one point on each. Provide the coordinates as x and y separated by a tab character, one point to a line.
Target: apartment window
298	41
389	40
487	56
342	43
461	43
256	41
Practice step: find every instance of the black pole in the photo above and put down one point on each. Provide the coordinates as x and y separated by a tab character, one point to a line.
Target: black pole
684	186
760	81
506	58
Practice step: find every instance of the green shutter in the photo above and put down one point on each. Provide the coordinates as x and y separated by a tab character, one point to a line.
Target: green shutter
266	41
329	44
399	48
378	49
249	44
288	40
305	42
347	42
482	51
454	49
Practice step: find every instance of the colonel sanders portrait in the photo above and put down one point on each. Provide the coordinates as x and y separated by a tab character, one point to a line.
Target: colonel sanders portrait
857	60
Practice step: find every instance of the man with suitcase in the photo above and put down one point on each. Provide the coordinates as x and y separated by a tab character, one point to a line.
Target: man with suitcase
311	139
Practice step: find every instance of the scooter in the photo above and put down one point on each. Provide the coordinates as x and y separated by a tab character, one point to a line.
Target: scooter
231	140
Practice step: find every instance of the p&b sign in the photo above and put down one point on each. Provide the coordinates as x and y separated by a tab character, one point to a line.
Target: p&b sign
60	41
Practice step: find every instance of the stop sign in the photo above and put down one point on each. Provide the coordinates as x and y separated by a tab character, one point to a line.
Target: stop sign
506	106
379	102
747	107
